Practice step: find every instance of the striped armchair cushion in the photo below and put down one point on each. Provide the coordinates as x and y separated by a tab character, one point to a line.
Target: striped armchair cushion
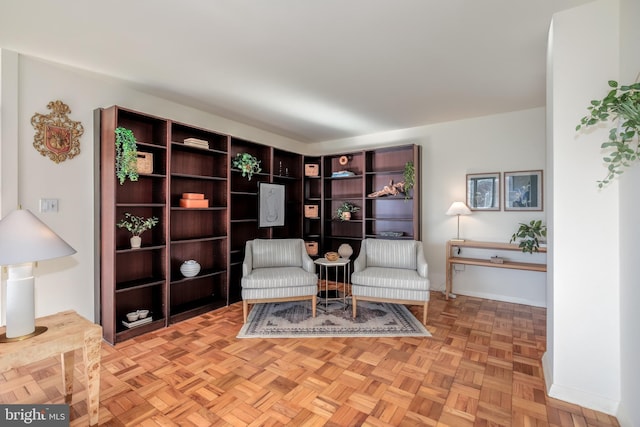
391	253
277	253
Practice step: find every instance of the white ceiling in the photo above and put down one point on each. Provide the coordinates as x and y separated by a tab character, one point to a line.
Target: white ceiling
309	70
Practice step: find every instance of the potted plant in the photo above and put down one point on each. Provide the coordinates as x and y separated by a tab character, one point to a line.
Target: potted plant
529	236
126	155
136	225
344	211
247	164
621	104
409	178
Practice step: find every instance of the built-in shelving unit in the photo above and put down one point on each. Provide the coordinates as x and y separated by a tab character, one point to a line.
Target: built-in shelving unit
215	234
199	234
387	216
133	279
312	204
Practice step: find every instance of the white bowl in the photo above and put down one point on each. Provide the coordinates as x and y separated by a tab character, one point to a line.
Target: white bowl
133	316
143	313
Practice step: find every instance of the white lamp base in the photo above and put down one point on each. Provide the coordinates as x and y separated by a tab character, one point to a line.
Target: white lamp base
20	309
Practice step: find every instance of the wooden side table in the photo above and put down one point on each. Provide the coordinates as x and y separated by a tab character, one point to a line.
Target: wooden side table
67	332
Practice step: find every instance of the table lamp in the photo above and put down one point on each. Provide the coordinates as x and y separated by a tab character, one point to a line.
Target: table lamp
458	208
24	240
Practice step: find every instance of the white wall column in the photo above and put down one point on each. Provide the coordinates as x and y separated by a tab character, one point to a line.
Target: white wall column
583	359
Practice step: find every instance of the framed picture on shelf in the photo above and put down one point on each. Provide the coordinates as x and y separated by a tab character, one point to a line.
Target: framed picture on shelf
270	205
523	191
483	191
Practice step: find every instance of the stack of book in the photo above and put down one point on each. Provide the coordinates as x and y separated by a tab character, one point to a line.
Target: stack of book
193	200
195	142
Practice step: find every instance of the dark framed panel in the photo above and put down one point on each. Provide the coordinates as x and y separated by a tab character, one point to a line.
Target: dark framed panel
271	205
523	191
483	191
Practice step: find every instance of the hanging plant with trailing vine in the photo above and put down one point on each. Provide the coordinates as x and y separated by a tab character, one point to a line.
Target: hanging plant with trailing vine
621	105
126	155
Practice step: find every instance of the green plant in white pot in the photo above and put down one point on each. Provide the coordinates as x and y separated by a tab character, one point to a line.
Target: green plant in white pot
344	211
621	106
136	225
529	236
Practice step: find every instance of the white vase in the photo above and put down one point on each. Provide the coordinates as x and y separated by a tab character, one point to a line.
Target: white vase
345	250
190	268
136	242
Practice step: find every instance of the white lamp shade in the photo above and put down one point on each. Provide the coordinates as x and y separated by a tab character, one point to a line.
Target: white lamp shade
458	208
24	238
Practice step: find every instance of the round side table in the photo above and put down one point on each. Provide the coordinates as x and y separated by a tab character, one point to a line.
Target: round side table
341	286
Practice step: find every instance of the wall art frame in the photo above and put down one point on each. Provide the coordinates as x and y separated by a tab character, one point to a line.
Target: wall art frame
57	136
271	200
523	191
484	191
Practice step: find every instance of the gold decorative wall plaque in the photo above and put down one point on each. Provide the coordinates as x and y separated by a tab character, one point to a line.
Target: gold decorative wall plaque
57	137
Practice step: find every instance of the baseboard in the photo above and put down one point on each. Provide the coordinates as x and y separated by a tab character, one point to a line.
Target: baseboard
582	398
503	298
578	397
624	416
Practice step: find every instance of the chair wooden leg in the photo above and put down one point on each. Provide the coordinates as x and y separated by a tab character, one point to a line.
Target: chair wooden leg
353	305
314	302
245	310
424	313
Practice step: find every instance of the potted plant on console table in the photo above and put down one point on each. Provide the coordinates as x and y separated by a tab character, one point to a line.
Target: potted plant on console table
529	236
136	225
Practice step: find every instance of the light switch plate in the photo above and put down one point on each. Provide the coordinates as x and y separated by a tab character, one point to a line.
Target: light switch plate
48	205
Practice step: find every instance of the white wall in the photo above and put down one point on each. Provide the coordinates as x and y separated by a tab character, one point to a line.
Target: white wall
68	283
629	412
582	364
504	142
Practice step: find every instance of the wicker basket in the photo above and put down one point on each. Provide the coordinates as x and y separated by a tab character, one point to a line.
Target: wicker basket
310	211
311	170
312	248
145	162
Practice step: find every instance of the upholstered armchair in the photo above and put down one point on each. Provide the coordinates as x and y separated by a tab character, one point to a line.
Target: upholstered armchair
391	271
276	270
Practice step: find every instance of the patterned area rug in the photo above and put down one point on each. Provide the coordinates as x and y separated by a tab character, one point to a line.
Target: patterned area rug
293	320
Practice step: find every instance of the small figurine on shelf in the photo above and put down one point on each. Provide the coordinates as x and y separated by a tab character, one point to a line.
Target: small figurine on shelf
389	190
136	225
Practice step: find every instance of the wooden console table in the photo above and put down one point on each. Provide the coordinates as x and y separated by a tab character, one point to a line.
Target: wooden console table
518	265
67	331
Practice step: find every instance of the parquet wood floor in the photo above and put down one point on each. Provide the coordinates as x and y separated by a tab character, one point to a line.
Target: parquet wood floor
481	368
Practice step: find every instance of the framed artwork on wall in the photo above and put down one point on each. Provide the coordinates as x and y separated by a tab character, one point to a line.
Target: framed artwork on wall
483	191
270	205
523	191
